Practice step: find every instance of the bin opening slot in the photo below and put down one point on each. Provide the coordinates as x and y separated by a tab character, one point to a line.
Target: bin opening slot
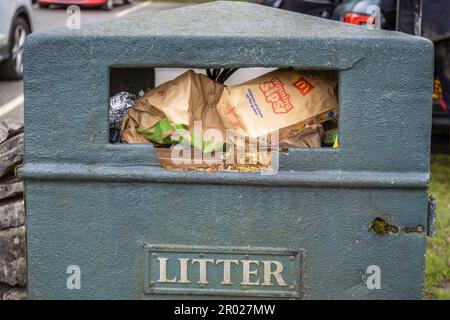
242	113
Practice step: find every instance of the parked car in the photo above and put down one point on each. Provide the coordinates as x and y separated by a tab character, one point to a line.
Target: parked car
103	4
350	11
15	25
357	12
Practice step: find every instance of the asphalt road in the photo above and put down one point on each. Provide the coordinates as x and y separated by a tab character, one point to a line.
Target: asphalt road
11	92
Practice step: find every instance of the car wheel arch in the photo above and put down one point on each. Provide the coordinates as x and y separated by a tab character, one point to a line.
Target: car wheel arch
22	12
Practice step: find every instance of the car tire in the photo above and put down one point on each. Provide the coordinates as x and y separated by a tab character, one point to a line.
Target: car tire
127	1
43	6
109	5
12	68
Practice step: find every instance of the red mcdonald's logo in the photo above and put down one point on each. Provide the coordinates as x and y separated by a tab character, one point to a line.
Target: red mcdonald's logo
303	86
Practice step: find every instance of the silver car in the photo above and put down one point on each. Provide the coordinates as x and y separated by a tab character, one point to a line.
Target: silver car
15	25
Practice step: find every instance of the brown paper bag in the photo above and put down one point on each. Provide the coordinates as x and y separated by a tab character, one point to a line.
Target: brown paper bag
308	137
277	100
189	98
140	115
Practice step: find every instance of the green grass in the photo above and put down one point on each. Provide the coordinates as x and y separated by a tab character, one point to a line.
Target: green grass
437	272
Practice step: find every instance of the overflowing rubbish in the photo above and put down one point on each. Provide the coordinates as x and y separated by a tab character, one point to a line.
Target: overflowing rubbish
197	122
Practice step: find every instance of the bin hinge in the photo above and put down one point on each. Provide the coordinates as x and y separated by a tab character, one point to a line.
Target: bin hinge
431	229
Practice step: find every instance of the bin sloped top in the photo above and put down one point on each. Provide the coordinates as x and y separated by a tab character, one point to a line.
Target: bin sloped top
232	19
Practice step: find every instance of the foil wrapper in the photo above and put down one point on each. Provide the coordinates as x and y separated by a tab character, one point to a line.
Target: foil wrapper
119	105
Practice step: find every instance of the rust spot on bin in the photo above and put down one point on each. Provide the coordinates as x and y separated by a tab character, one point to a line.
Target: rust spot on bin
381	226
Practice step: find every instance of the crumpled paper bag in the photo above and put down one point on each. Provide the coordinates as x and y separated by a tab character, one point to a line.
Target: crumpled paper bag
277	100
187	99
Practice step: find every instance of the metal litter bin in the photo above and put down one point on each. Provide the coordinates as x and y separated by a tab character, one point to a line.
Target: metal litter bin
105	221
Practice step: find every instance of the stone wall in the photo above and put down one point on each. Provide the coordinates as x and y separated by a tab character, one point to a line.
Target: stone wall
12	214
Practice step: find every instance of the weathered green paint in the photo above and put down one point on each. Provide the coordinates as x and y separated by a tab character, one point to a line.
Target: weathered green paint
97	205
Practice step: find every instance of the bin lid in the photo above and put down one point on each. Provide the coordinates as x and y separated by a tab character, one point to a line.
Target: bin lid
232	19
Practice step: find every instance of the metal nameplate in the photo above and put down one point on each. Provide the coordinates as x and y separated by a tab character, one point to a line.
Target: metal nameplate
224	271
